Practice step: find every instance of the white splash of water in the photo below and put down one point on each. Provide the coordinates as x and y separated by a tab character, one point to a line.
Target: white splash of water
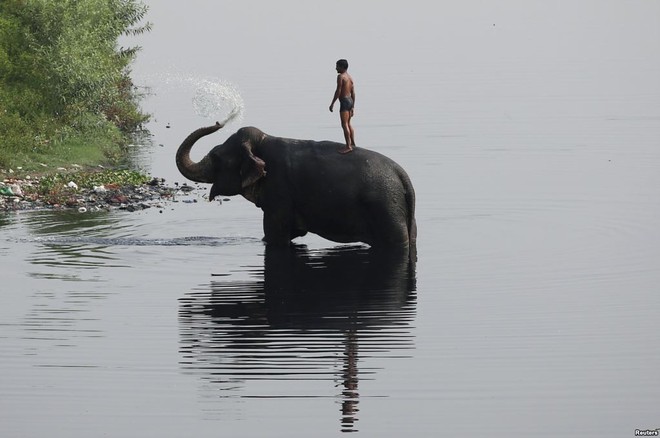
211	98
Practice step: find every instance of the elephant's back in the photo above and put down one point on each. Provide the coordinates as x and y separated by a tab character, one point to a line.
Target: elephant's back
315	167
319	165
326	152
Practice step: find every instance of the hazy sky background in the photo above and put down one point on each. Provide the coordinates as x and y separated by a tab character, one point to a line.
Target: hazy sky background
509	71
287	50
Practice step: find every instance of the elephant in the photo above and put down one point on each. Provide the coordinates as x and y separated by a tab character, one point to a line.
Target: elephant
307	186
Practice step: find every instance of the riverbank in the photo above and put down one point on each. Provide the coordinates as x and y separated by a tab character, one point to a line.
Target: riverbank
86	190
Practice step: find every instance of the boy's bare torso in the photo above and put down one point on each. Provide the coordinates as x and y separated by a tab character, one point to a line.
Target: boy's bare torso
345	84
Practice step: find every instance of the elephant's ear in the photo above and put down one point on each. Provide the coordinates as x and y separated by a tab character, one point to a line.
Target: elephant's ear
253	168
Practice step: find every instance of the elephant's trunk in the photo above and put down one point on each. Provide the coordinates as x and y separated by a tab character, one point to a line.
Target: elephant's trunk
203	170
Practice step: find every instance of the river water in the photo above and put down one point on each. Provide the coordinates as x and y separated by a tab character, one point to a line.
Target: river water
530	131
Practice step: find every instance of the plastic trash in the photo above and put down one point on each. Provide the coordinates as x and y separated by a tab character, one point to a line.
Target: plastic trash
16	189
6	191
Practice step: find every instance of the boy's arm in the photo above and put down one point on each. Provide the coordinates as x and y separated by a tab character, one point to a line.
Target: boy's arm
353	98
337	91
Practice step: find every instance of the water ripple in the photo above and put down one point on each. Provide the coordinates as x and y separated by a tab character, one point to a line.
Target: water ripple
133	241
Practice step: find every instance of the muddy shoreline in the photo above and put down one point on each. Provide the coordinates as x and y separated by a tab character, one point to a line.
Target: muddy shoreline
21	194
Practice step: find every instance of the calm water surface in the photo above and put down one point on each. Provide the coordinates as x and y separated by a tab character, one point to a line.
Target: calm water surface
530	131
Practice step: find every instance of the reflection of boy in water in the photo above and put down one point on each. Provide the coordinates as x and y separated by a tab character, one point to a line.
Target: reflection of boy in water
346	94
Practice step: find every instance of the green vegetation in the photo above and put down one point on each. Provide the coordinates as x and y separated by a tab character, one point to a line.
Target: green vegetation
65	90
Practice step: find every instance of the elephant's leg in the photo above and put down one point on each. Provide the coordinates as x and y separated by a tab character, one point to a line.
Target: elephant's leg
391	234
277	228
299	227
389	226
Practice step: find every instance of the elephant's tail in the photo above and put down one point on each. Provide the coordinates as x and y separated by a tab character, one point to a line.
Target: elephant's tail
410	203
412	222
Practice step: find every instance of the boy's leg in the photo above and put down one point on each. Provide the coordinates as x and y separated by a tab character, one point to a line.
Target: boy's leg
345	125
350	127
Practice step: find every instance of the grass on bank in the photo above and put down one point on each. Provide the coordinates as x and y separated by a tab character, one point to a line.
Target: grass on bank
104	145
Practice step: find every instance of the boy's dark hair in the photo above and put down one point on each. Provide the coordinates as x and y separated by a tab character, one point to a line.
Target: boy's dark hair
343	64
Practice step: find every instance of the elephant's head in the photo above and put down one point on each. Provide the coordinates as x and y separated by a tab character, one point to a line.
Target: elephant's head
232	167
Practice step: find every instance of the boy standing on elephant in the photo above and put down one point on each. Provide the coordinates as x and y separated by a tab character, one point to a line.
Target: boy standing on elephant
345	92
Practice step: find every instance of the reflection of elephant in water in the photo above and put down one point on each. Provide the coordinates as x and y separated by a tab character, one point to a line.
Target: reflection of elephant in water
315	290
320	315
337	282
304	185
